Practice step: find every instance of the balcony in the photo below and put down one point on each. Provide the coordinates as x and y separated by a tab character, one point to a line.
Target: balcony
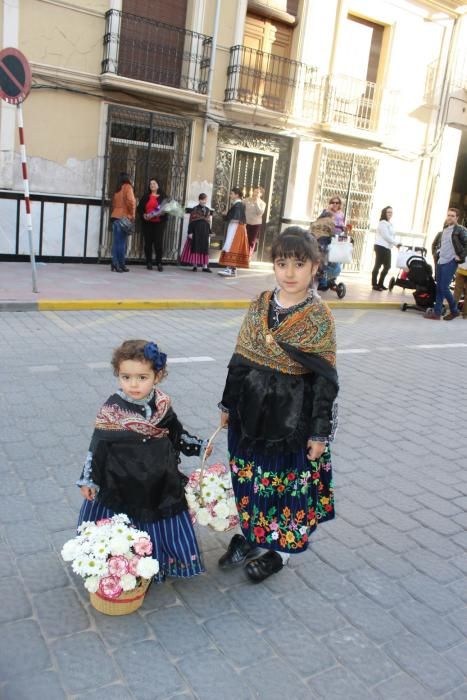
142	49
335	102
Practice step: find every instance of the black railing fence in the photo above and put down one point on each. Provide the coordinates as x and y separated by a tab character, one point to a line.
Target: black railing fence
156	52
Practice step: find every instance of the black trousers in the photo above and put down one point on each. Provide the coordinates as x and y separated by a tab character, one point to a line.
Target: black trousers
383	260
153	234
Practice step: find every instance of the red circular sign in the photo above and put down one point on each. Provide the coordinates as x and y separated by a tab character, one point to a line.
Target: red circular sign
15	76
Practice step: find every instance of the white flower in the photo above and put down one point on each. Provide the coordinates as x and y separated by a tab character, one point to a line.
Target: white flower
147	567
128	582
70	550
101	550
303	530
220	524
233	507
191	499
81	565
222	510
275	535
203	516
119	544
91	584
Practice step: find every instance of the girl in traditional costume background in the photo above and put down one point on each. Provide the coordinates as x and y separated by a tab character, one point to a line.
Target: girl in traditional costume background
196	249
235	251
278	403
132	463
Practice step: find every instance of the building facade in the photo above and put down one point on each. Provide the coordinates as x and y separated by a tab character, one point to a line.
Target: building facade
307	98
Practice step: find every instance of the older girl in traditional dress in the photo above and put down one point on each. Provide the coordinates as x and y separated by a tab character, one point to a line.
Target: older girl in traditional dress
235	251
278	403
196	249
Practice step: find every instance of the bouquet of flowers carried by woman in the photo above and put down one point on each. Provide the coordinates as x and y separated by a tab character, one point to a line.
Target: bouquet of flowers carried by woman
115	561
172	208
210	496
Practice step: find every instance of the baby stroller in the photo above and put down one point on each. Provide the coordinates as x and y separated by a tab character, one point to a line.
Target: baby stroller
329	270
415	273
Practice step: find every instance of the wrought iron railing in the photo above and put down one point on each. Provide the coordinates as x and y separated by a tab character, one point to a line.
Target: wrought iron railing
145	49
280	84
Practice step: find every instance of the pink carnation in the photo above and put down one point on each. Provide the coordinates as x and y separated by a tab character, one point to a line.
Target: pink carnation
132	564
143	546
118	565
103	521
110	586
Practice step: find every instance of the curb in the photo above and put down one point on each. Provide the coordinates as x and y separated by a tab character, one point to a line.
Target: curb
128	304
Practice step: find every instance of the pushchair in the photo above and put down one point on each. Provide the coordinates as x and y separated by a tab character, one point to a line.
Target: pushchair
415	273
328	271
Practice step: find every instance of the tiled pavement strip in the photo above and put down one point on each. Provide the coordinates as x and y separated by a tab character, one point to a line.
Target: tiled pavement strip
377	607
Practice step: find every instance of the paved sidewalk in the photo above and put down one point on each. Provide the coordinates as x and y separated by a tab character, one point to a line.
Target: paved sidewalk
86	286
376	609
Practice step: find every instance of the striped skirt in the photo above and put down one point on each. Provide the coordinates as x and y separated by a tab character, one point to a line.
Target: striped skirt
188	257
281	498
173	539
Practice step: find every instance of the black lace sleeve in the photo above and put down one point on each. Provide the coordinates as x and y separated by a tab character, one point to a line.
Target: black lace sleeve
189	445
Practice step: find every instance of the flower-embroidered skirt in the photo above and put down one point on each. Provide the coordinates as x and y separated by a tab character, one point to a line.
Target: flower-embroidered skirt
281	498
173	539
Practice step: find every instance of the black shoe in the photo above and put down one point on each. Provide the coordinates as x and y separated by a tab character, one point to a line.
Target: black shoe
114	268
124	269
160	268
382	288
376	288
237	552
259	569
195	269
206	269
149	266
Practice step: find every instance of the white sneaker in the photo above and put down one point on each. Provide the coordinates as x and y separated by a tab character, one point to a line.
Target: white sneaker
228	272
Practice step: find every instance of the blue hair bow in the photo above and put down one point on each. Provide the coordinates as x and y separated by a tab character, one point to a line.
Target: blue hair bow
157	358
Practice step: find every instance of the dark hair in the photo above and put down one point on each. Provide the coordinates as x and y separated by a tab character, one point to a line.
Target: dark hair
457	212
238	191
384	214
203	195
160	192
132	350
123	179
296	242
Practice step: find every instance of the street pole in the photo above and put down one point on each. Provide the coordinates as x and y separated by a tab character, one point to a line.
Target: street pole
24	167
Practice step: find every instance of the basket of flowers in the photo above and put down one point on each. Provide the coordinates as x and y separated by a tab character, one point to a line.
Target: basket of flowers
115	561
210	496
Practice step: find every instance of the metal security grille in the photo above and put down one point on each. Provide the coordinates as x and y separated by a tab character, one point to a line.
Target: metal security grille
145	145
351	176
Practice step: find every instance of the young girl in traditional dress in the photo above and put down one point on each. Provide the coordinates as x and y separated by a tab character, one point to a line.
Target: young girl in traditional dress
235	251
278	403
132	463
196	249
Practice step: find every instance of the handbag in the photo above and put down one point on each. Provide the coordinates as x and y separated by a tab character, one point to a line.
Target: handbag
127	225
340	251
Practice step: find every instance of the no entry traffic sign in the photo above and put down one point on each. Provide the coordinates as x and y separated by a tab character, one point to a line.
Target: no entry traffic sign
15	76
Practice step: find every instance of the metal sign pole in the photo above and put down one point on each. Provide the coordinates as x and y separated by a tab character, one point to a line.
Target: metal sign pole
27	202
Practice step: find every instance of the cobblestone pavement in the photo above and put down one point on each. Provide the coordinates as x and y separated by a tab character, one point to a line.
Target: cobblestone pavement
377	607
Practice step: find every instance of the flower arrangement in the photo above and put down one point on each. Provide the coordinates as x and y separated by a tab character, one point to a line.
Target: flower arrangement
112	556
210	498
172	208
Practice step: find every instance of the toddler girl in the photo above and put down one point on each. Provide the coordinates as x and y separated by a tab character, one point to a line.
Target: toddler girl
132	463
278	405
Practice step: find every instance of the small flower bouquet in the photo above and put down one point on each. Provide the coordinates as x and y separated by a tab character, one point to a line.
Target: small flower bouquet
172	208
210	498
114	559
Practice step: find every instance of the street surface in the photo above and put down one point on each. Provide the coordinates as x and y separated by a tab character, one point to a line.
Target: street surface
375	609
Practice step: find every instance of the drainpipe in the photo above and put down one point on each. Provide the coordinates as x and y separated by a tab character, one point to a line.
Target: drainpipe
210	79
441	118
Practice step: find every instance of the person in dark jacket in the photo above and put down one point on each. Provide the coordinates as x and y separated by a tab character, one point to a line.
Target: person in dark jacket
132	463
153	222
449	248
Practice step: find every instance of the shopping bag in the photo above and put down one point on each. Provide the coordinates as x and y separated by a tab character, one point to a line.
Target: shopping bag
340	250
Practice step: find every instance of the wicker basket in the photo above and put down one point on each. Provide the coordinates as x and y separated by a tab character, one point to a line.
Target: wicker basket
126	603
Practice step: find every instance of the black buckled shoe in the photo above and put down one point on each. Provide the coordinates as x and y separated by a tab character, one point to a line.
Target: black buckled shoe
237	552
259	569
